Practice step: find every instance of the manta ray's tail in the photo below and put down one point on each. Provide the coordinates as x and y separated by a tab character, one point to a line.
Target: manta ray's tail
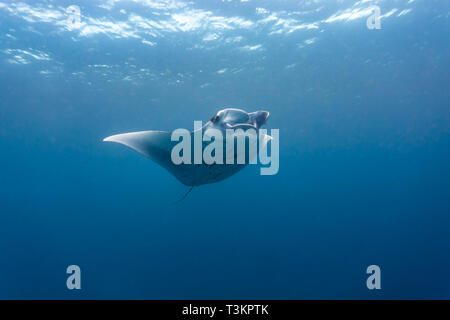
185	195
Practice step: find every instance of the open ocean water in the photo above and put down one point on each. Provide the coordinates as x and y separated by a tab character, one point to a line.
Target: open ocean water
364	174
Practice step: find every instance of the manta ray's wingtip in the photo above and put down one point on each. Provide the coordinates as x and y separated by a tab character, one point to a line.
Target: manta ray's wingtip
113	138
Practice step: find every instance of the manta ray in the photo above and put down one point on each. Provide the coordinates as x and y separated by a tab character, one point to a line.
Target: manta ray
158	145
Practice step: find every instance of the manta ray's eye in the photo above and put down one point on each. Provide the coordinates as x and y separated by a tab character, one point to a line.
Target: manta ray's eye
215	119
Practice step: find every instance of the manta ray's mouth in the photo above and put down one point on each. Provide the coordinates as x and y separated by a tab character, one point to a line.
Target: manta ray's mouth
259	117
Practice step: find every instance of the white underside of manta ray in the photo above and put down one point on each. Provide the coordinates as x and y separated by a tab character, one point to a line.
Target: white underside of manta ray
157	145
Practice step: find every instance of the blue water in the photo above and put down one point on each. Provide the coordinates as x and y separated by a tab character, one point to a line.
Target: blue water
364	149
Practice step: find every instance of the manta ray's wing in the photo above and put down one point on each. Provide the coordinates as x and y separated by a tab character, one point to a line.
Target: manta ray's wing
157	146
